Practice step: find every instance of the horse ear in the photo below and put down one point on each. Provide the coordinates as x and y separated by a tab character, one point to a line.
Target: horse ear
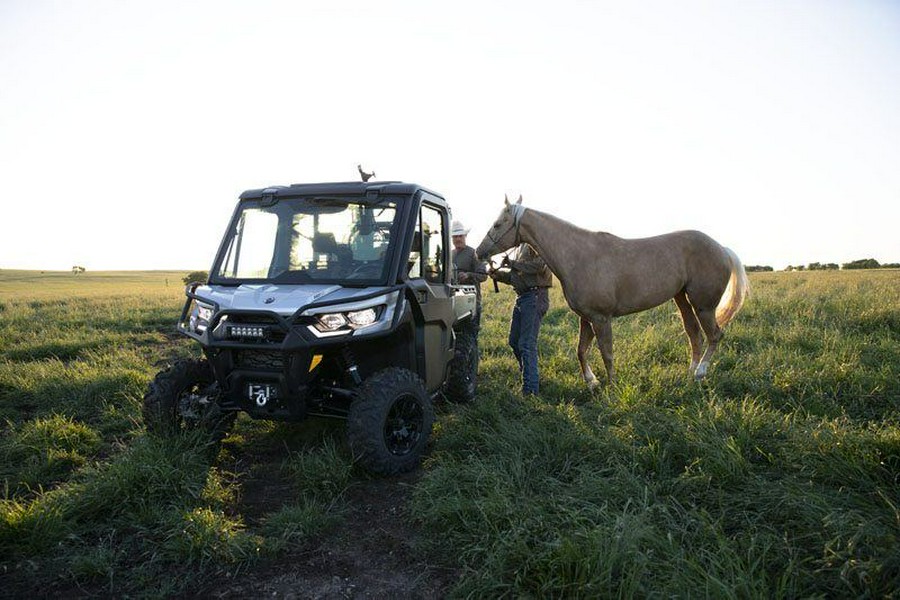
505	199
520	199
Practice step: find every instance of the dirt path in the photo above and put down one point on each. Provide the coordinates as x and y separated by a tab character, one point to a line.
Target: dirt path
371	553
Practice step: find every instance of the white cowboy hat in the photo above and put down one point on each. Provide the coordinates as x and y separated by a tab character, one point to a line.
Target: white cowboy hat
457	228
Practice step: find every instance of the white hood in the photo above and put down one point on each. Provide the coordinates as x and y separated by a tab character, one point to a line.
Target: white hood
284	299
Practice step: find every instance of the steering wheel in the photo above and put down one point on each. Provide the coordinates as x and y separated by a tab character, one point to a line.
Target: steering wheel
369	269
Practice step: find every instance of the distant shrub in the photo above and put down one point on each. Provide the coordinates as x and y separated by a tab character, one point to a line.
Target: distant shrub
195	277
822	267
865	263
758	268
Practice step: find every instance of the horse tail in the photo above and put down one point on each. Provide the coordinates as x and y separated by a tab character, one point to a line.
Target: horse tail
737	290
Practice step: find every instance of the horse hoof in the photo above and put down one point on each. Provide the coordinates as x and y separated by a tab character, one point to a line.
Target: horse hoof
593	384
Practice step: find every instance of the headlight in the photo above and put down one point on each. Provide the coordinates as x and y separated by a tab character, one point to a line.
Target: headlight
204	312
363	317
331	322
334	322
200	317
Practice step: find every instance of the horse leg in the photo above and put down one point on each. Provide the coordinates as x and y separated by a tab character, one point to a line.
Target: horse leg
691	328
586	336
603	331
707	318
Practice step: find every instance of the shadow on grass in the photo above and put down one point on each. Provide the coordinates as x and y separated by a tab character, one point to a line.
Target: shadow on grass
158	505
164	514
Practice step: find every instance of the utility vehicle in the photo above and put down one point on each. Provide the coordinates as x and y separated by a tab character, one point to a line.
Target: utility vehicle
334	300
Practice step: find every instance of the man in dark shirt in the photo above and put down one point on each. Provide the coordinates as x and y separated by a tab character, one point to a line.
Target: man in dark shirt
467	268
531	278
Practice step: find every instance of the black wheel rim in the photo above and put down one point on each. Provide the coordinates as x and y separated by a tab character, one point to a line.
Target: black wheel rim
404	424
188	410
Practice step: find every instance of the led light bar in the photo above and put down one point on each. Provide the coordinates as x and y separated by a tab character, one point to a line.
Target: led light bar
246	331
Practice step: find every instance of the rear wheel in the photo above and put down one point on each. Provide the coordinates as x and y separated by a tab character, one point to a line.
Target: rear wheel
462	379
390	422
183	398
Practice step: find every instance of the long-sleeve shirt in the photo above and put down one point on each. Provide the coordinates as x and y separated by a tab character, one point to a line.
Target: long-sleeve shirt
469	269
528	271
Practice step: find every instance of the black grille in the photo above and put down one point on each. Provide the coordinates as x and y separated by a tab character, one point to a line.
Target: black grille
252	318
252	359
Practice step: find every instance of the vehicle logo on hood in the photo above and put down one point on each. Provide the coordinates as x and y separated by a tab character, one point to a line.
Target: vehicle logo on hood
270	300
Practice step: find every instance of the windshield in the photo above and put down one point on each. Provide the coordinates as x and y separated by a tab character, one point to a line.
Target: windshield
309	239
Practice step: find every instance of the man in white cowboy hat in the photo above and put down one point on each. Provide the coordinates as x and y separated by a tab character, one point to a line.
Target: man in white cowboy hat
468	268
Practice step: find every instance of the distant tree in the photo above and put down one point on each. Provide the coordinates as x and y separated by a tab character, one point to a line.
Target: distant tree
865	263
196	277
758	268
817	266
76	270
890	266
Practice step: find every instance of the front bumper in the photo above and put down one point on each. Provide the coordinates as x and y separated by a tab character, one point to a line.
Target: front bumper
269	330
287	372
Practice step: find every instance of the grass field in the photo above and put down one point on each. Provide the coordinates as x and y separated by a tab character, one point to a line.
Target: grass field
779	476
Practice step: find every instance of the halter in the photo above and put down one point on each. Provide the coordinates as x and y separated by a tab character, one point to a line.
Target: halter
518	211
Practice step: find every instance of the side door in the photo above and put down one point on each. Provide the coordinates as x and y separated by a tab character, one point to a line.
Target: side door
432	296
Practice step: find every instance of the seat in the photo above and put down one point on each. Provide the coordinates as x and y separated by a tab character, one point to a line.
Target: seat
323	243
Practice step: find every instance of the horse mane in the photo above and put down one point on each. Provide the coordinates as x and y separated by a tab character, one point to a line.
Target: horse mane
569	223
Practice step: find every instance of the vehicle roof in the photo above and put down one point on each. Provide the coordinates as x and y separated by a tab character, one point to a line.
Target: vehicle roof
338	188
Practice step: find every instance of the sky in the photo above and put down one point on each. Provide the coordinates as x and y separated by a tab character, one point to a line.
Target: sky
128	129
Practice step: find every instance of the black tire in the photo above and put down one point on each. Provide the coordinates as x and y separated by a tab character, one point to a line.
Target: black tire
390	422
462	379
172	403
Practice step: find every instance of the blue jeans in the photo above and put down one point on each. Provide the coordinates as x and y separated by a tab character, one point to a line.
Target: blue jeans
530	308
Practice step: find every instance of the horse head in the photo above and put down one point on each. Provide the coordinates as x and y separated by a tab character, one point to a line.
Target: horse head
504	233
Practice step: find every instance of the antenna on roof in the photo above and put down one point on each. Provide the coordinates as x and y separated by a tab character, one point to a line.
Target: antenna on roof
365	176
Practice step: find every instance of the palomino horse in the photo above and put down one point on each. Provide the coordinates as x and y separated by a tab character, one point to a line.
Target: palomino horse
604	276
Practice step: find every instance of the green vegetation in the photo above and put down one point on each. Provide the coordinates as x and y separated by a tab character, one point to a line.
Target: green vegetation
776	477
195	277
865	263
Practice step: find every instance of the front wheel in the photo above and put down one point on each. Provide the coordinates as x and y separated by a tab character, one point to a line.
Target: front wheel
183	398
390	422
